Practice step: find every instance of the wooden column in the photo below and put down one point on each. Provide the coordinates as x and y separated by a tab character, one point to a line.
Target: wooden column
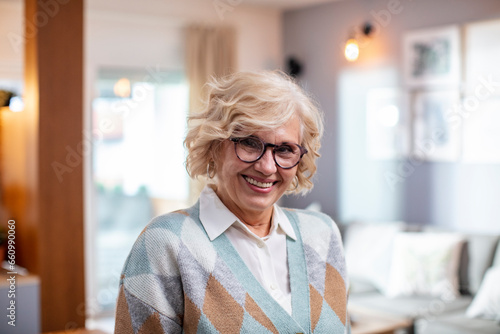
54	101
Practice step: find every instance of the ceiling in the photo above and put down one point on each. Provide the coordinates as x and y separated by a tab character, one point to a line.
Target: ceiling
278	4
286	4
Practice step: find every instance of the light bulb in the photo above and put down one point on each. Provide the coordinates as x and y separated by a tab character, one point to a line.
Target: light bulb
351	50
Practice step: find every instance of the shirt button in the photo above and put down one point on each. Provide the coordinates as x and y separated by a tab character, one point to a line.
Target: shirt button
273	286
260	244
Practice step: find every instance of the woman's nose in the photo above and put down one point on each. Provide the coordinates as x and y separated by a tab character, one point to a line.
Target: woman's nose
266	165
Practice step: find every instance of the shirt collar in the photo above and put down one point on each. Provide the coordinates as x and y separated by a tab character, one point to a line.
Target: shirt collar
216	217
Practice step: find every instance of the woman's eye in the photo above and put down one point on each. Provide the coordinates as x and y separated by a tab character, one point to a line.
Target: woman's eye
284	149
251	143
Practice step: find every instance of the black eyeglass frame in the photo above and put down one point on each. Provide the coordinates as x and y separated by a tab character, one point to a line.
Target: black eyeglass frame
236	140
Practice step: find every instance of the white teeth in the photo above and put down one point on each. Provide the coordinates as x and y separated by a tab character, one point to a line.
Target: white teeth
257	183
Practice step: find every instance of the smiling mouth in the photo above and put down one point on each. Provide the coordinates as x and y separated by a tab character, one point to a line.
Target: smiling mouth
263	185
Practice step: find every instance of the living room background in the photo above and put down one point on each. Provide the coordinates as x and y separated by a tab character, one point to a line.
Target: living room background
148	35
456	195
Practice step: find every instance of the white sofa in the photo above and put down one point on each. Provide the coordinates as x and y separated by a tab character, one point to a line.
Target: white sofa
401	269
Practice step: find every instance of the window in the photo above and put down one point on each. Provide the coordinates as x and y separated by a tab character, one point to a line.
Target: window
138	172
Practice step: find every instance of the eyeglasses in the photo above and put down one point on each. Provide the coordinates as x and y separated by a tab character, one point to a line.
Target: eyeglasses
251	149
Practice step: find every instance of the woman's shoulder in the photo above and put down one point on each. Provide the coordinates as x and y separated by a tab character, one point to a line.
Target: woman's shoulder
305	216
175	220
313	223
160	242
167	230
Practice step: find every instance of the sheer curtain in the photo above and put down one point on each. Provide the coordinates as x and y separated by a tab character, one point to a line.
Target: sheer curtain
210	51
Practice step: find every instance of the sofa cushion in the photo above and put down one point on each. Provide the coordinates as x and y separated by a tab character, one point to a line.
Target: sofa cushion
477	259
410	307
368	249
425	264
456	323
486	303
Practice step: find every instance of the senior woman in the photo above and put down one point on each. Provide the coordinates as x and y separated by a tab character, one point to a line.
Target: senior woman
236	262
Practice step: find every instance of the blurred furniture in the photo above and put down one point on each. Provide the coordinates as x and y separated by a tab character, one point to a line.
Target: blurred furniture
370	321
372	249
27	301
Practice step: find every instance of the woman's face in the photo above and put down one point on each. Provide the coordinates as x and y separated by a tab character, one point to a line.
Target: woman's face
250	189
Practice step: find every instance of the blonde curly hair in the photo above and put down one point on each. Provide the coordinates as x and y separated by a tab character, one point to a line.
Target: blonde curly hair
243	103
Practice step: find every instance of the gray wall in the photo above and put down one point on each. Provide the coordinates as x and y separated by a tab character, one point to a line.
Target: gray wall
348	185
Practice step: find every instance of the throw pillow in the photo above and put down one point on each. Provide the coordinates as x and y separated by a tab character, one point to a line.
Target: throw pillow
368	249
425	264
486	303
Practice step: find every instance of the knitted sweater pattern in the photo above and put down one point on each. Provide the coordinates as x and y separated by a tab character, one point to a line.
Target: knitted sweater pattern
176	280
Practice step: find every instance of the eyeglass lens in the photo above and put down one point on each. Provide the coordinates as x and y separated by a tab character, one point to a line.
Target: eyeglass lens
252	149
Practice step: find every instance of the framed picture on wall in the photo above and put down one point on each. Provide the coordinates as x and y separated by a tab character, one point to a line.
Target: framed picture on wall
437	136
432	57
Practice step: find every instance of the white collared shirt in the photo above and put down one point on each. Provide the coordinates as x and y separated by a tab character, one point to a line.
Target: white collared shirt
265	257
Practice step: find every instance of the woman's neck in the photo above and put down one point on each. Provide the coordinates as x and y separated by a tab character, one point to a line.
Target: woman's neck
260	228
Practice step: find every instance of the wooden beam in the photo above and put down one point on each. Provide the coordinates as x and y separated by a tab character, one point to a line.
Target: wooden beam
54	94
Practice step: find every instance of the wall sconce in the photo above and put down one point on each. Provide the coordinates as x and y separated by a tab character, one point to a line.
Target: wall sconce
9	101
351	50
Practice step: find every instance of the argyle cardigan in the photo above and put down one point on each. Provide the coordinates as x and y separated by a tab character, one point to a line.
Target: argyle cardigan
175	280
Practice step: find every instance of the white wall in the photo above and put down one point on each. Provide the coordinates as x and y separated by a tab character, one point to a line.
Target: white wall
11	50
150	32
